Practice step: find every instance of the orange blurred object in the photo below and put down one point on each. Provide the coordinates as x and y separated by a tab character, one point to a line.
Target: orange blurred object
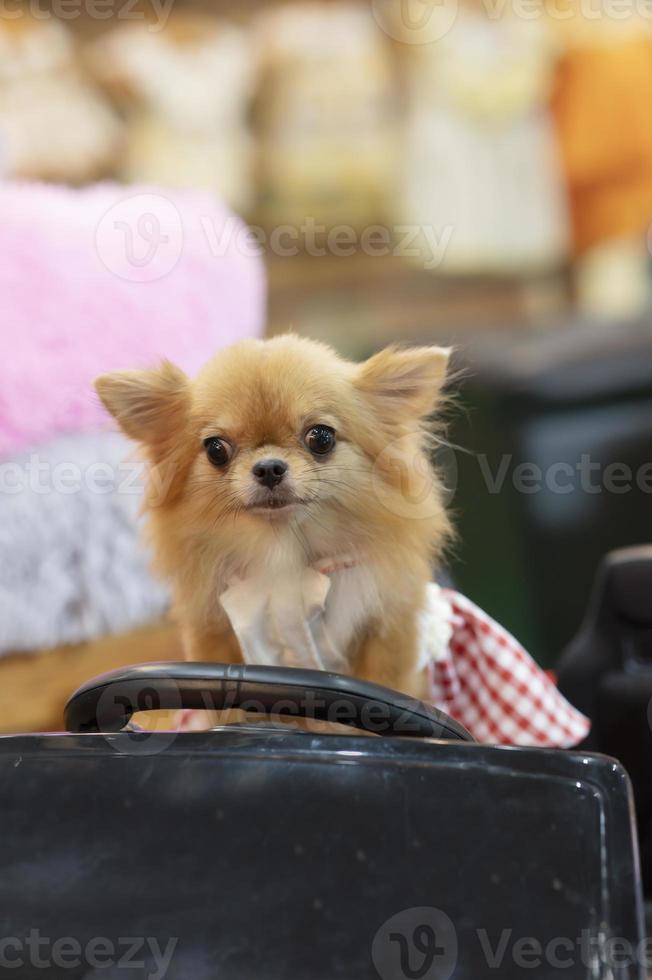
601	105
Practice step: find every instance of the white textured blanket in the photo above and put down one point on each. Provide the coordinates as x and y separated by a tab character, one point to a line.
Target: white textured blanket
71	564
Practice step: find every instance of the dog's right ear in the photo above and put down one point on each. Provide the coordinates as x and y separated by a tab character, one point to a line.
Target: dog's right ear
149	406
404	382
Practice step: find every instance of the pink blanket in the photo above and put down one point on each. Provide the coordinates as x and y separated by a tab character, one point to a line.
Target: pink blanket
111	277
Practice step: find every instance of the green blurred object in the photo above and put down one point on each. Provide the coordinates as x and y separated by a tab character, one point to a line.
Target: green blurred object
554	469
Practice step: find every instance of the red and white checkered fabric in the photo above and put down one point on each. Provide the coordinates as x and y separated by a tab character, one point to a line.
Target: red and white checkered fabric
482	677
487	681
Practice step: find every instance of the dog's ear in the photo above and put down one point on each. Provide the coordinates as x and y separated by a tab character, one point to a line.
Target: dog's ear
404	382
149	406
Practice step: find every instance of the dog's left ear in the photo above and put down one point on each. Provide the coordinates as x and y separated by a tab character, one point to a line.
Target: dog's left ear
153	408
149	406
404	381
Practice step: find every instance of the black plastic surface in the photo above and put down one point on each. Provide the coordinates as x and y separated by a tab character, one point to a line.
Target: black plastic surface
606	671
305	857
107	703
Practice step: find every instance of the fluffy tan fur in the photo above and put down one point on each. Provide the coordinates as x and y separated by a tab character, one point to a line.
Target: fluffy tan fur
375	497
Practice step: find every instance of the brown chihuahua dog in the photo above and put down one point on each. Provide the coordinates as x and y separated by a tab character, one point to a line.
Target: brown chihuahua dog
280	455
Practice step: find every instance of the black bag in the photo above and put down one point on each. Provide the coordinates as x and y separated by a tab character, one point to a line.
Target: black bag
264	852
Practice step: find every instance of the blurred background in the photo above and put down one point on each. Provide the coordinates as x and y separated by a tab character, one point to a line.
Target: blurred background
466	172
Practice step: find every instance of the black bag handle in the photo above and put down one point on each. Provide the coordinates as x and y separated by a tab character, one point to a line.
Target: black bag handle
107	703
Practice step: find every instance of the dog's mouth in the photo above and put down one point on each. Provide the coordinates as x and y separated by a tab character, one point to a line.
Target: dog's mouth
276	504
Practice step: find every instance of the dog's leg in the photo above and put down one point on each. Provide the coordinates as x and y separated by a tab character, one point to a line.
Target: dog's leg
391	657
214	644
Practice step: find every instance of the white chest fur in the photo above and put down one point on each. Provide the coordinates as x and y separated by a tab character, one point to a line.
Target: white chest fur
353	599
301	616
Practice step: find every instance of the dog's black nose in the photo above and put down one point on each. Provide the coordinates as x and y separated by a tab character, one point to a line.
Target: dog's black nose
270	472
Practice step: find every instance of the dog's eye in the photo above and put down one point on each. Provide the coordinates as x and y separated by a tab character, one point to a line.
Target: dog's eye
218	451
320	439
